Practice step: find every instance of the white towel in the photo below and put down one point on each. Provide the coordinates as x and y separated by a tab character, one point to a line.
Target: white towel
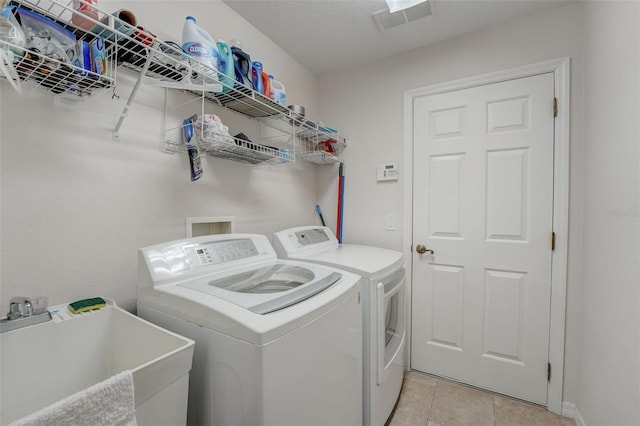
108	403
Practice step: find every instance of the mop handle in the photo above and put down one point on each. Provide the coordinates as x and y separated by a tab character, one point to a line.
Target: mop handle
320	214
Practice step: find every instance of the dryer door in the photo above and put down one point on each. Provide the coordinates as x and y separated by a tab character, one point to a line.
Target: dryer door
391	323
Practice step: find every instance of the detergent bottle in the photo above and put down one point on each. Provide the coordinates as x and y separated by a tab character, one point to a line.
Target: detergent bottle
226	68
266	84
198	44
242	64
256	77
278	93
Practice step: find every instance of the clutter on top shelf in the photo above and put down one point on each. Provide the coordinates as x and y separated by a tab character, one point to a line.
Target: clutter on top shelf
11	31
46	37
73	47
125	24
46	52
198	44
256	77
98	55
84	8
242	65
225	66
278	93
266	84
133	50
172	64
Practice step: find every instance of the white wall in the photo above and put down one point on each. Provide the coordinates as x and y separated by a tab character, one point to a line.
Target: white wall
609	384
76	205
366	104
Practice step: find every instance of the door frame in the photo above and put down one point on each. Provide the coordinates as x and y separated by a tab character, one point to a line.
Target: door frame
561	69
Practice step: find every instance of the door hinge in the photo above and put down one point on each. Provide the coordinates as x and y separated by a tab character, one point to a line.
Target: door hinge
555	107
548	372
553	241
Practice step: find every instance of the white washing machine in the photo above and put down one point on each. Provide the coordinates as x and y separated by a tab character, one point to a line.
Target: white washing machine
277	342
383	277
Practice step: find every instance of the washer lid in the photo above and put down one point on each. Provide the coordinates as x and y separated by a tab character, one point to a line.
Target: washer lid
269	288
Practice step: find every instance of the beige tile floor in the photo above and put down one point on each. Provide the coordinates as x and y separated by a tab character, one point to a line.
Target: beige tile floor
430	401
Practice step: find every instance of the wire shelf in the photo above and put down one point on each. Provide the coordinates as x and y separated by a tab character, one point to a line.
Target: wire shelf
163	63
54	75
320	157
319	144
243	151
223	146
57	70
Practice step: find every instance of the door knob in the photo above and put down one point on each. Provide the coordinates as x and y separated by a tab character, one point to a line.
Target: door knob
420	248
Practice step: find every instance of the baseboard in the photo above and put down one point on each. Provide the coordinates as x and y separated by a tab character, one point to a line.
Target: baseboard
570	410
578	418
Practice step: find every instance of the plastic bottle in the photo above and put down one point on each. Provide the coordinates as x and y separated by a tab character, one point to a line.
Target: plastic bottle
242	63
226	69
199	44
266	83
256	77
84	8
278	93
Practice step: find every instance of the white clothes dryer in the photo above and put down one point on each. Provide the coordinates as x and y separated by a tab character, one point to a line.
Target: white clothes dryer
383	277
277	342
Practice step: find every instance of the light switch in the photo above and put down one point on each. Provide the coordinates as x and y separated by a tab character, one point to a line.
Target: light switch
390	222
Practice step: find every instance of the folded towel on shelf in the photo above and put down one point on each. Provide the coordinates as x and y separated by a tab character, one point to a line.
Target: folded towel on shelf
108	403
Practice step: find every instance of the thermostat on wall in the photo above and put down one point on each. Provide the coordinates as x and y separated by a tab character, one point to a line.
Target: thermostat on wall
387	172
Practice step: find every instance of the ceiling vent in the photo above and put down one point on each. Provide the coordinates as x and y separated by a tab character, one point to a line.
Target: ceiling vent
386	20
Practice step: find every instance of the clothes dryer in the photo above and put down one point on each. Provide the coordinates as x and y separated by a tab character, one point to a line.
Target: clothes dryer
383	277
277	342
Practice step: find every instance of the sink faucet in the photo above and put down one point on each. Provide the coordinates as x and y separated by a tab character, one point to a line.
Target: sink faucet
24	311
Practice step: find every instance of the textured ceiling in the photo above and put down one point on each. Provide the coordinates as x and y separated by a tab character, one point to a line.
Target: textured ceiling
328	35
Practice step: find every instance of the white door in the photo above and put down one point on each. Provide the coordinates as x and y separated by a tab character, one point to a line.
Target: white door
483	199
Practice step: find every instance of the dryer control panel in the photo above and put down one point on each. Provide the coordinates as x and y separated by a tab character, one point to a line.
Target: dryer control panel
303	240
311	236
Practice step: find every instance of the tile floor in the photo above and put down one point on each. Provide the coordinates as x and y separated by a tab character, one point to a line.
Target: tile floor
430	401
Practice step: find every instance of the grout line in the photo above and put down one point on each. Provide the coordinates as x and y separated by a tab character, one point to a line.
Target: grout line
432	399
493	408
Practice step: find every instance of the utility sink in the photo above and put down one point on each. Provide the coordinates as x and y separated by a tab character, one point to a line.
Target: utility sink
44	363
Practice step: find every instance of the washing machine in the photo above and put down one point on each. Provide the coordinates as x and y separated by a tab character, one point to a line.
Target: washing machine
277	342
383	277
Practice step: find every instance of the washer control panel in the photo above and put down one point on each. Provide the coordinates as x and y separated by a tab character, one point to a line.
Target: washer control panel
196	255
222	251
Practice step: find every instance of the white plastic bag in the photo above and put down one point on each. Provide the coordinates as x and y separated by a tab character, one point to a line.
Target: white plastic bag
11	32
8	70
210	127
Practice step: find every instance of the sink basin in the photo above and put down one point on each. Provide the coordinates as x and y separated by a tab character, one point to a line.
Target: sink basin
44	363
